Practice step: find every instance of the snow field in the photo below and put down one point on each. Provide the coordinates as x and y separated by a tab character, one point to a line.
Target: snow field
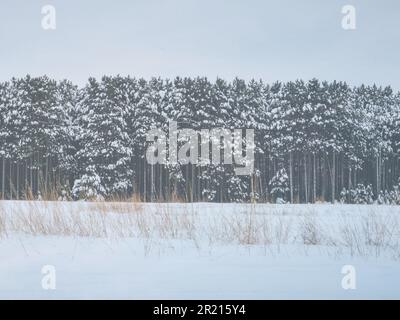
195	251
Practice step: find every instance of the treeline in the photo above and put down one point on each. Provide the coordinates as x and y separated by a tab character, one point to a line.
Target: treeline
315	141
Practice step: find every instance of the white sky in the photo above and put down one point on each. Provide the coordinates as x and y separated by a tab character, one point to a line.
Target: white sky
272	40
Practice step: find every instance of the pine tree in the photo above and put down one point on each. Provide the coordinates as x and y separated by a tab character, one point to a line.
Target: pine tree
105	141
279	185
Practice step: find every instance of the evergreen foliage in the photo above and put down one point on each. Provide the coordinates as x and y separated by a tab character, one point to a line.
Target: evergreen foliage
313	139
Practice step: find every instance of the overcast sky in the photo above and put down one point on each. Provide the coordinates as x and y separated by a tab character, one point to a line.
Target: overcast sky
272	40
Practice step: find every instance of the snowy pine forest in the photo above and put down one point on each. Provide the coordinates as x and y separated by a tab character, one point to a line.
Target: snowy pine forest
315	141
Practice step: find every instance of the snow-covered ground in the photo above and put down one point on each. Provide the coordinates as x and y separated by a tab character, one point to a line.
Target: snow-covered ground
199	251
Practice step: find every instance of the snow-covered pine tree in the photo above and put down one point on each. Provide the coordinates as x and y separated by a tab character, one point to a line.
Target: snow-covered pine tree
105	143
7	124
217	115
279	186
328	136
40	125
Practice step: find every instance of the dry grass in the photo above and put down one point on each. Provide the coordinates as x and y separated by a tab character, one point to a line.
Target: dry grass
371	234
310	230
95	219
359	234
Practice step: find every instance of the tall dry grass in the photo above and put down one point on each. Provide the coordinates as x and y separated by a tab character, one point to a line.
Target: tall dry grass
359	234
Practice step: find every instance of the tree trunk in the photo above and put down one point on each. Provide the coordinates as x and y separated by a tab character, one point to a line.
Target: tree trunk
291	176
333	177
314	179
305	179
3	179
